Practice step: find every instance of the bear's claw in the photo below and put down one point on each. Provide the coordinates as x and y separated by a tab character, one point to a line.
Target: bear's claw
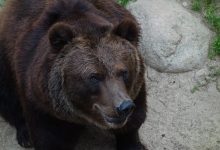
23	137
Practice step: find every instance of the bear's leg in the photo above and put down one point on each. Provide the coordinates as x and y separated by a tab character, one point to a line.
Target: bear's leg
10	108
23	137
127	138
49	133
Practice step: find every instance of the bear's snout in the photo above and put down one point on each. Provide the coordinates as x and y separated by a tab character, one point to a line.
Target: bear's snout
125	108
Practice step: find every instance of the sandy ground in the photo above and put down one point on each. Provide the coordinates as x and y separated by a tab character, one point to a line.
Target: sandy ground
180	117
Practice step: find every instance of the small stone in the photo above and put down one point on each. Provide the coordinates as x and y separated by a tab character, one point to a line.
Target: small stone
201	76
185	4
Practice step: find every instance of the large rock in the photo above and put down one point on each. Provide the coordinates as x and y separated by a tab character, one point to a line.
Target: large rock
173	40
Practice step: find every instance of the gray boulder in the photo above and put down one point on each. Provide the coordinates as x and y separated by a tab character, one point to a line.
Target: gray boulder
173	40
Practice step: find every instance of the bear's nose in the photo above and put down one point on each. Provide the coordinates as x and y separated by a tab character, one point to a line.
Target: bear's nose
125	108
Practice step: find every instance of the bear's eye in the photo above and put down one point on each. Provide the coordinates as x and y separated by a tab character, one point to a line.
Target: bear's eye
95	78
125	75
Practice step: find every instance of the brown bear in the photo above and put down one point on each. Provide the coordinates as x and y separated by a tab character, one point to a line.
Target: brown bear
67	64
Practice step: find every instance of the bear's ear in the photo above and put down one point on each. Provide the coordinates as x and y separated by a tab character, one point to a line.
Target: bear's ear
128	30
59	35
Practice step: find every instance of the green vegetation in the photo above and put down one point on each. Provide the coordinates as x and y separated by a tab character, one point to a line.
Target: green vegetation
214	74
215	50
212	17
1	2
196	6
210	11
123	2
194	89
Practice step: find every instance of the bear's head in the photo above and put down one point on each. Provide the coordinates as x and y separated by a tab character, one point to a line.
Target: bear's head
97	72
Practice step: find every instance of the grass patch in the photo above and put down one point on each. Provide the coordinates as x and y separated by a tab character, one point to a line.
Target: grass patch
215	73
2	2
194	89
196	5
209	9
216	45
123	2
212	17
215	49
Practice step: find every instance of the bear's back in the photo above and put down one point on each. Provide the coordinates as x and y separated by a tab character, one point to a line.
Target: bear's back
20	16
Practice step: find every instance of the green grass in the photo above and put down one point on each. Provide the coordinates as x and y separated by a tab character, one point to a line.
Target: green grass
123	2
194	89
2	2
215	48
216	45
196	5
215	73
212	17
209	9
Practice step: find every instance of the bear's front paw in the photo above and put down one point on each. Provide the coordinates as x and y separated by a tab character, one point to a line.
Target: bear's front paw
142	147
23	137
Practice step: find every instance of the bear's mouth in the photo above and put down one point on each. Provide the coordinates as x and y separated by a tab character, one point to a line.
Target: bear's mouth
115	120
112	121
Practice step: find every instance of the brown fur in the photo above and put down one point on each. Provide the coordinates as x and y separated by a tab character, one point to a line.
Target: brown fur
72	62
